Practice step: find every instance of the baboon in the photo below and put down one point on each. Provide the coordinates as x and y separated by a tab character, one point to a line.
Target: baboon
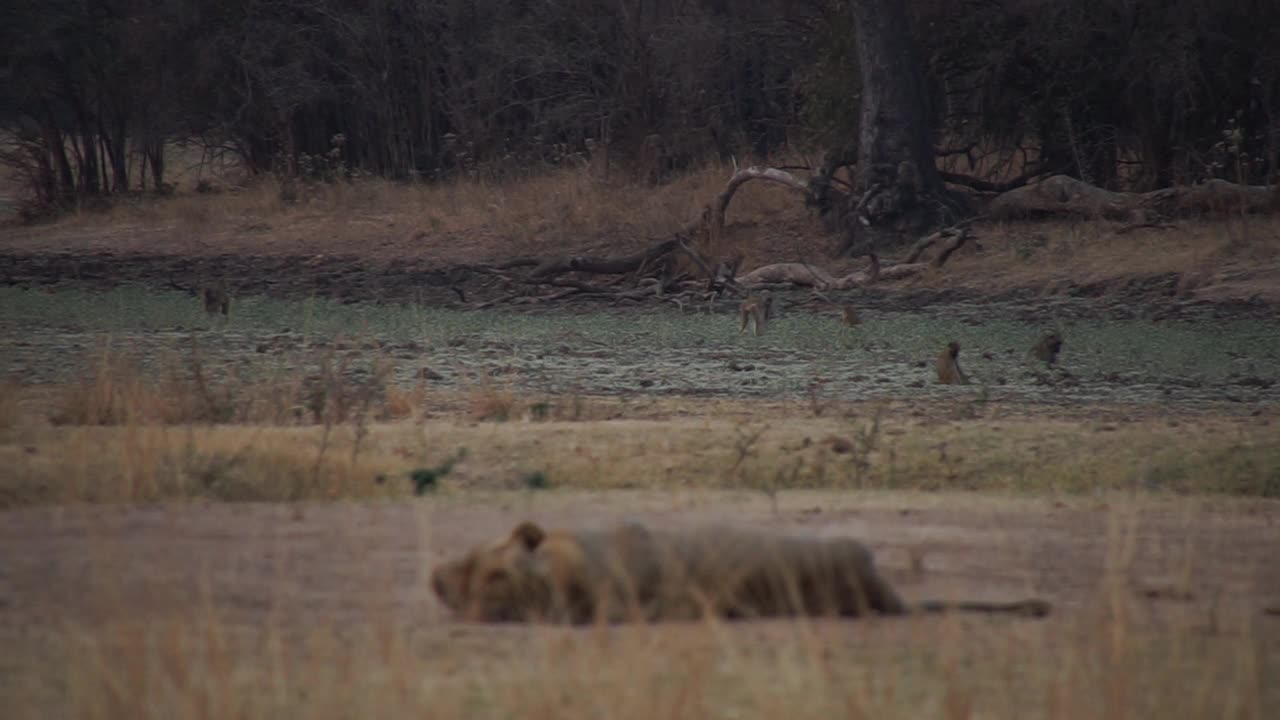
723	275
215	296
216	299
849	315
666	277
948	365
756	311
1048	348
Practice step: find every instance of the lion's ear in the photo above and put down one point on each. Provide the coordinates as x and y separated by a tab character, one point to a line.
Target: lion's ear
529	535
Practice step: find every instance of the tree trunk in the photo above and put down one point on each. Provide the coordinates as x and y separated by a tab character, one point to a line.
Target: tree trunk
56	146
902	195
154	153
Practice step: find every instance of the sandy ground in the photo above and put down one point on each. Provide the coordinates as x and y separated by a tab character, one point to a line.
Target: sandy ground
327	562
315	565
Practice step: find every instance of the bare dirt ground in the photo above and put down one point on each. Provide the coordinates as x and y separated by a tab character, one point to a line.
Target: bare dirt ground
1205	567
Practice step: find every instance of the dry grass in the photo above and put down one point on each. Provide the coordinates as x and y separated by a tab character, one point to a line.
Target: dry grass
1106	656
1233	258
197	667
401	404
386	650
115	390
460	221
491	400
10	411
347	456
121	435
112	392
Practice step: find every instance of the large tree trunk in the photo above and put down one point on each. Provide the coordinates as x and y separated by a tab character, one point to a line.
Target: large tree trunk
901	194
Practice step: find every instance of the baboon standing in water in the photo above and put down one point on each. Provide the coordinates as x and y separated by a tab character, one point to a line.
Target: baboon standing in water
1048	348
756	311
215	296
849	315
216	299
948	365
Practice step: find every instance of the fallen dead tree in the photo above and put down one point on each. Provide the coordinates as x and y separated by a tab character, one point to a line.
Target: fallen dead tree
552	267
655	272
1063	195
805	275
676	270
649	273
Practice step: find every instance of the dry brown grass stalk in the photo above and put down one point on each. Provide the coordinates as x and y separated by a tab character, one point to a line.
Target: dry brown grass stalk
404	404
111	392
490	399
10	410
115	389
100	464
200	664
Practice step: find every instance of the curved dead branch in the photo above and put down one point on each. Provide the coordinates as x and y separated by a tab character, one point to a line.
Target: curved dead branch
986	186
805	275
720	205
954	237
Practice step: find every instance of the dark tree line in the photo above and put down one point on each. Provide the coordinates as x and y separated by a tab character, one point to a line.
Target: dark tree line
1116	92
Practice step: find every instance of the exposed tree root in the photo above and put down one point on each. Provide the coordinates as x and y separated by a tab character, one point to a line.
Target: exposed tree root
1062	195
654	273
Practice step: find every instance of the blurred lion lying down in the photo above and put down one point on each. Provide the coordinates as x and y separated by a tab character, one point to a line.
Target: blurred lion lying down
633	573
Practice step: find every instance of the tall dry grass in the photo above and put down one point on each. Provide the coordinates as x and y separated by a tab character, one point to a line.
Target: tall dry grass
557	208
10	411
201	668
1106	657
115	389
121	435
1101	655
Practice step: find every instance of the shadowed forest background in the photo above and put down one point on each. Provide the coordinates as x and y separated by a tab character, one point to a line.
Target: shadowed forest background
1111	92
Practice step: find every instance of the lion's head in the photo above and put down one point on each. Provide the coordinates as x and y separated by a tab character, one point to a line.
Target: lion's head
499	582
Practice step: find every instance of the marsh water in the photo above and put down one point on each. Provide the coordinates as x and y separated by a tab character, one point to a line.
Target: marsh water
1199	356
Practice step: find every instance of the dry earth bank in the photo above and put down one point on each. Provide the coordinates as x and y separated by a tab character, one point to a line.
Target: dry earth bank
363	240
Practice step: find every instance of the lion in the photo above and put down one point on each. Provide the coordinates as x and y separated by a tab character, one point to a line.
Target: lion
631	573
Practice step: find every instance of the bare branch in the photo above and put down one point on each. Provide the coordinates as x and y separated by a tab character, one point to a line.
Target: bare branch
991	187
947	152
720	205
